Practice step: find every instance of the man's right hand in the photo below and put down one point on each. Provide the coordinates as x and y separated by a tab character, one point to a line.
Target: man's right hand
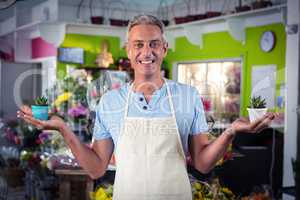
55	122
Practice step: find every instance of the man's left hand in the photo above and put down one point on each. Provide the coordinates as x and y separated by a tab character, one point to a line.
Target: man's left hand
244	125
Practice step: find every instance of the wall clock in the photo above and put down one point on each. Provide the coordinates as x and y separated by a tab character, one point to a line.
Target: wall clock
267	41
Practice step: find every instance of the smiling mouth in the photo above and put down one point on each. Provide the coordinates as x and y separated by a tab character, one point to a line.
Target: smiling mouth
146	61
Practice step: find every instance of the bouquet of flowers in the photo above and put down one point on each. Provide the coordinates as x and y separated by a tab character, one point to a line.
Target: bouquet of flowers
68	97
211	191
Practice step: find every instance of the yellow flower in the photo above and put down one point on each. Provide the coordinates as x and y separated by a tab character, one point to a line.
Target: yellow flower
92	195
100	194
227	191
63	97
197	186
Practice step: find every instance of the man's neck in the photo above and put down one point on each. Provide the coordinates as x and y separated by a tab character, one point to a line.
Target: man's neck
147	86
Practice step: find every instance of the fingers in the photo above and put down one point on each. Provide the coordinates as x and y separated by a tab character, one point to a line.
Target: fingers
264	124
253	125
26	109
243	119
271	116
29	119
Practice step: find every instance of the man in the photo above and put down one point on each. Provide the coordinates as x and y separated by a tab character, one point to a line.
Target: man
147	124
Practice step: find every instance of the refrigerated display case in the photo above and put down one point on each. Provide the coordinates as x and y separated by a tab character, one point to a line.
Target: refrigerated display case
218	83
107	80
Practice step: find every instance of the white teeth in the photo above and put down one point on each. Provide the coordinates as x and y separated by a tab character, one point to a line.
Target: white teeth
146	62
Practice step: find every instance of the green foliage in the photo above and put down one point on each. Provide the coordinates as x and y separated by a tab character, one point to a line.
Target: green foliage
41	101
257	102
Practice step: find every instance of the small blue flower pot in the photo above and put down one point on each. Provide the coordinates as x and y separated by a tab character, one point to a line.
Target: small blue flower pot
40	112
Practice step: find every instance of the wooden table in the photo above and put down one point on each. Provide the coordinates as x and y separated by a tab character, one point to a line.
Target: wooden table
69	179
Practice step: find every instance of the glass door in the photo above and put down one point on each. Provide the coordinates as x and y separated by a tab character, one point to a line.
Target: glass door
219	85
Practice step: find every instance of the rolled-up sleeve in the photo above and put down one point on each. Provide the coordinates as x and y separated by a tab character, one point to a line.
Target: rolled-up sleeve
199	123
100	129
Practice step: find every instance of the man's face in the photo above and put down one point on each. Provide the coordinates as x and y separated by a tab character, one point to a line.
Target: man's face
146	50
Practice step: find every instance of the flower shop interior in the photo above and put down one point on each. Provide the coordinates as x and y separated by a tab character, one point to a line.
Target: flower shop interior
71	52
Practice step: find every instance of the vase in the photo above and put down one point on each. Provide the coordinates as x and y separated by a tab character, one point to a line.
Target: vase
40	112
118	22
256	113
180	20
242	8
97	20
261	4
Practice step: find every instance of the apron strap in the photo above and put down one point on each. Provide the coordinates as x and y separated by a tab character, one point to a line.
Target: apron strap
127	100
170	99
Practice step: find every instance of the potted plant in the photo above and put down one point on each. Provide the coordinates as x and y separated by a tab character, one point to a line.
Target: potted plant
121	7
242	8
261	4
257	108
180	19
96	18
40	108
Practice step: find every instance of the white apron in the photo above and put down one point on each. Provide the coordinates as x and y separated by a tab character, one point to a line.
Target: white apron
150	161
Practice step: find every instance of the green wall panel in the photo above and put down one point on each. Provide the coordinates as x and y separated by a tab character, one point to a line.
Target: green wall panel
92	47
220	45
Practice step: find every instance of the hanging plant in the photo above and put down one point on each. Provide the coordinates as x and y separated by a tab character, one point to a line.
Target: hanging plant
122	8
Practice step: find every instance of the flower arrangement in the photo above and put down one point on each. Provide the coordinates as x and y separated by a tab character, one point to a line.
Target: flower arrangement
78	111
68	98
102	193
10	130
19	133
210	191
200	190
50	141
64	97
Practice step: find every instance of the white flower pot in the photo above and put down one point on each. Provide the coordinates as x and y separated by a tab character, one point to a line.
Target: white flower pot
256	113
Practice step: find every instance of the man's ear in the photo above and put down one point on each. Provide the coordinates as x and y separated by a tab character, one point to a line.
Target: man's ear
127	49
165	48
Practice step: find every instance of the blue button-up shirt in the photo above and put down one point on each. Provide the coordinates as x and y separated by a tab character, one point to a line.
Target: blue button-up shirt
190	116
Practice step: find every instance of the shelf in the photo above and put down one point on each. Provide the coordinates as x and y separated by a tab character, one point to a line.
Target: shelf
221	125
97	68
250	13
91	29
235	24
53	31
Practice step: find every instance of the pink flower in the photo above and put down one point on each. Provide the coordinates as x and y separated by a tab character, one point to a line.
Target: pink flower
206	104
78	111
43	136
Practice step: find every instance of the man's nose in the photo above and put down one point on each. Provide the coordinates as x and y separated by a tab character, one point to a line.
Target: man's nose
147	51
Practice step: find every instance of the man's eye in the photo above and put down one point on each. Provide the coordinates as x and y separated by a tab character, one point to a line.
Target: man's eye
154	44
138	45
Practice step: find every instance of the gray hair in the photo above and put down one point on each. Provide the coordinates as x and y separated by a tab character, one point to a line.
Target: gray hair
146	20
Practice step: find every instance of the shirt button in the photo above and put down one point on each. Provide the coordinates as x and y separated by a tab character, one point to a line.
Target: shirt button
141	98
145	107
